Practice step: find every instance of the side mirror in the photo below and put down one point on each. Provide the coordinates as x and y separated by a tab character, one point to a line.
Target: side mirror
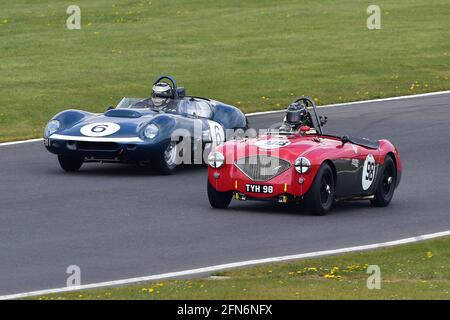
323	120
345	139
181	92
109	108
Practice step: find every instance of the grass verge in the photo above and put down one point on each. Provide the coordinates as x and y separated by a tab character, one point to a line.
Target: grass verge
255	54
414	271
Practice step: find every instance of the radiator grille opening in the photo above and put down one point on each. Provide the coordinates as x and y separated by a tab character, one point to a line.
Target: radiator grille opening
262	167
96	146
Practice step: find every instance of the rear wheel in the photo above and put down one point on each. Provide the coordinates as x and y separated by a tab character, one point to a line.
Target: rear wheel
166	161
217	199
319	198
70	164
386	185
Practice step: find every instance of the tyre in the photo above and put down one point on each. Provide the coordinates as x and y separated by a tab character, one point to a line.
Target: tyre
70	164
320	197
217	199
166	162
386	184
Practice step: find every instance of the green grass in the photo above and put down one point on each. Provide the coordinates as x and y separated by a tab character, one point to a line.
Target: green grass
256	54
414	271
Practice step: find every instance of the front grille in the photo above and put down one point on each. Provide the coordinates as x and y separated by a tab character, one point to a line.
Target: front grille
96	146
262	167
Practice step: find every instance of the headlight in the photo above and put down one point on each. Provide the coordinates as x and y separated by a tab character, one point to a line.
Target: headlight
302	165
51	128
151	131
216	159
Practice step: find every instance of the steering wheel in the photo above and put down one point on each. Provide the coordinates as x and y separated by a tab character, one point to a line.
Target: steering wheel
308	102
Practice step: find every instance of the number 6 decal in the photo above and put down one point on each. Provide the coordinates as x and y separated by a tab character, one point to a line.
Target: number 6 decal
99	129
368	173
217	133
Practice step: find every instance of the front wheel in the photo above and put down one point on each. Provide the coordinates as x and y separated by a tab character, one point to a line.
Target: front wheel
386	185
217	199
166	162
319	198
70	164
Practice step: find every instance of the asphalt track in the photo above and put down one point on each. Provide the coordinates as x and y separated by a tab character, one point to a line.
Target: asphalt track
117	221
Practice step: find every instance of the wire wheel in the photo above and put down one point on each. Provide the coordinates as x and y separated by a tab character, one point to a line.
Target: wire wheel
170	154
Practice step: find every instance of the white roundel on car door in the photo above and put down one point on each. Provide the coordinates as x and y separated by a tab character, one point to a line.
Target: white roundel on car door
217	132
100	129
368	173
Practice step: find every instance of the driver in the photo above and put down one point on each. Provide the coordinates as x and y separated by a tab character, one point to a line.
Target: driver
162	94
296	116
162	98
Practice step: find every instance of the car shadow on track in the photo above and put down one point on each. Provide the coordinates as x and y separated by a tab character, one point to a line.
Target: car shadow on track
114	170
358	207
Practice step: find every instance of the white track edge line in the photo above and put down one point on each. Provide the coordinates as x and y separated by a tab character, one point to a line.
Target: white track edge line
227	266
411	96
19	142
277	111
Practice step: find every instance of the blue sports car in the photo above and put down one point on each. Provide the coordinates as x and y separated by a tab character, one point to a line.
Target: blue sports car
162	131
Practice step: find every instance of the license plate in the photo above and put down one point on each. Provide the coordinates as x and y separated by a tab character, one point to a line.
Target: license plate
259	188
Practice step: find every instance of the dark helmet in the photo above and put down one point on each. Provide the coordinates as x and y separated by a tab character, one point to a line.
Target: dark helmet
296	114
161	92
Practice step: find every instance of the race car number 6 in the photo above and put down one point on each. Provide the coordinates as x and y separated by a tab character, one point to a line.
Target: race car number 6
368	174
100	129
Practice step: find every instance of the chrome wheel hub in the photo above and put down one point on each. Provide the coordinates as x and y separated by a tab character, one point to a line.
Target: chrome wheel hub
170	154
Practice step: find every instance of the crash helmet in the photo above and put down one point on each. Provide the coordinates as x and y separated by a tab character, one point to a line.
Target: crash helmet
161	93
296	114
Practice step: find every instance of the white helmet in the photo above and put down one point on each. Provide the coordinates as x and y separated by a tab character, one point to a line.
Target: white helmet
161	92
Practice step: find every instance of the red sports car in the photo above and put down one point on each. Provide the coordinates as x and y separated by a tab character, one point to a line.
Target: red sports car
299	163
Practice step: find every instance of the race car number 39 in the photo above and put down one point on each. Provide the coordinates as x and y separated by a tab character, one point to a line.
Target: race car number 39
99	129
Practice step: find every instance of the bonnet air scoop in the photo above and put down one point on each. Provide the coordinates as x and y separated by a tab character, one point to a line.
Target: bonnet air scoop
123	113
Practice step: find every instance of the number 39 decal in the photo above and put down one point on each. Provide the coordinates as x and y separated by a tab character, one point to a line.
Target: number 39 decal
368	174
100	129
